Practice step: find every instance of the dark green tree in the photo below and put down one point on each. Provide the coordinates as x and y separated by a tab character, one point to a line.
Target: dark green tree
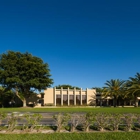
65	86
6	96
24	73
98	89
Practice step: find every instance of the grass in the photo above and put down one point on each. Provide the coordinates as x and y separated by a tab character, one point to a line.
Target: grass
74	136
75	109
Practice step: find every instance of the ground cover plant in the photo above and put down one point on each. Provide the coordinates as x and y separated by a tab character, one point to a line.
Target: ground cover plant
74	136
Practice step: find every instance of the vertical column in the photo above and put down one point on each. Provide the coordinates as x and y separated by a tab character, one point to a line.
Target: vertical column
61	92
54	96
101	102
68	97
107	102
87	95
130	102
81	97
74	96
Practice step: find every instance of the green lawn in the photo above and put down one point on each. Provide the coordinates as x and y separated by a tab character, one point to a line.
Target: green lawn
74	136
74	109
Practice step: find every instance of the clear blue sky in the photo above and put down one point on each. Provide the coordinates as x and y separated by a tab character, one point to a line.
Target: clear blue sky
85	42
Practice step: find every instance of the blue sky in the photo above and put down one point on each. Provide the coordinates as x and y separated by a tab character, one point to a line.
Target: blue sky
85	42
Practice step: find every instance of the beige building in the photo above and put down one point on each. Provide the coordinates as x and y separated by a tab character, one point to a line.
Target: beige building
53	96
76	97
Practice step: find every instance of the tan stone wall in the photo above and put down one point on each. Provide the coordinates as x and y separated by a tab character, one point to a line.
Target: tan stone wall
48	96
90	94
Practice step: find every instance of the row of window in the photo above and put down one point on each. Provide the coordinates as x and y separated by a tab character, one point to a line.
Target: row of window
71	99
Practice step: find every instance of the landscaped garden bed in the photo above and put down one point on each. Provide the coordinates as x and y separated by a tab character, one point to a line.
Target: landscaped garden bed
70	122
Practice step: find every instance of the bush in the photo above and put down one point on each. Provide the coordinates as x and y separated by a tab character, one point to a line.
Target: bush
32	120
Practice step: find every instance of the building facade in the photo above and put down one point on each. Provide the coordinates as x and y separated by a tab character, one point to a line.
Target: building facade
67	97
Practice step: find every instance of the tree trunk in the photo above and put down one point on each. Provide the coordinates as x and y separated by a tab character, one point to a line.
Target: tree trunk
124	103
107	102
72	129
23	100
87	128
136	103
101	129
116	127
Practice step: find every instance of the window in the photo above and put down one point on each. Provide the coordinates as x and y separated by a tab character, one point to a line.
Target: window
58	99
84	99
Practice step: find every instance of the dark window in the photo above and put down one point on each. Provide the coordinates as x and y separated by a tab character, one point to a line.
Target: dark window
71	98
65	99
77	99
84	99
58	99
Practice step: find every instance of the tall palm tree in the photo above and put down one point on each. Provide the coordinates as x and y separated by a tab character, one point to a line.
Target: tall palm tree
114	89
134	88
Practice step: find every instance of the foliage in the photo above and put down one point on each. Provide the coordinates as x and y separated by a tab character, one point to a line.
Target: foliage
32	121
6	96
12	121
98	89
133	89
92	100
88	119
65	86
129	121
75	120
114	89
61	120
2	116
102	121
24	72
115	121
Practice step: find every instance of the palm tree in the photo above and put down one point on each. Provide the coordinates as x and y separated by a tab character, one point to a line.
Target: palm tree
134	88
114	89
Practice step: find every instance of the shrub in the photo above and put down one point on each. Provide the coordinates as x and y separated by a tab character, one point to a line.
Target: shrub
114	121
61	120
75	120
101	120
2	116
12	121
128	121
87	120
32	121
